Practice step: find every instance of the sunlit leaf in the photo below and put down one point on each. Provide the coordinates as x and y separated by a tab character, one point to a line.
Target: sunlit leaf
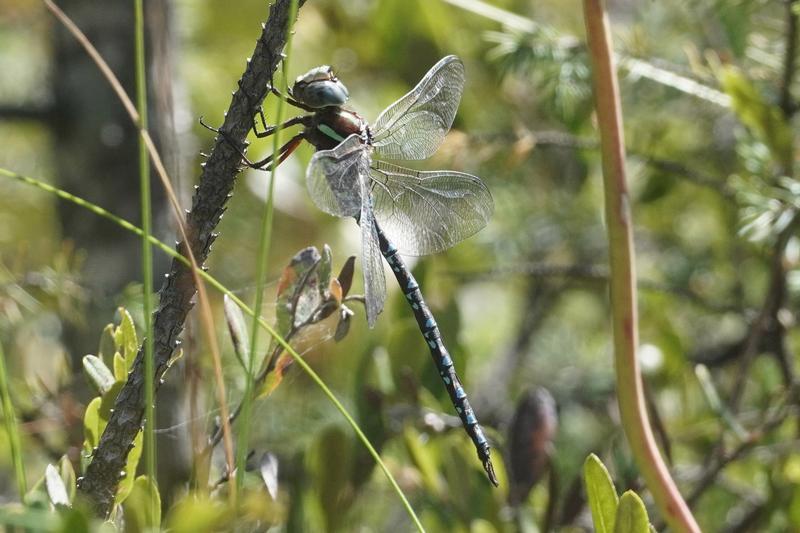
128	476
107	402
107	346
269	473
56	489
631	515
130	344
99	374
120	367
91	424
67	473
602	495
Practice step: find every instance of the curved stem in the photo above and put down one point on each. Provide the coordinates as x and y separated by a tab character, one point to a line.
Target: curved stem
630	391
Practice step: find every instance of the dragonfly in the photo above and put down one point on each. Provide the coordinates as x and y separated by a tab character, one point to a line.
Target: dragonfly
399	210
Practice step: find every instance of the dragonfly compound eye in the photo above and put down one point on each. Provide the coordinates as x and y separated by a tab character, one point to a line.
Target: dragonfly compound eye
319	88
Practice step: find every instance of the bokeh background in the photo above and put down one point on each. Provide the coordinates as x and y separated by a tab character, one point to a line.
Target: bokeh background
708	100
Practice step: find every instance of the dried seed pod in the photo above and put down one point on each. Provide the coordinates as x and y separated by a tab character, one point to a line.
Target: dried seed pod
530	442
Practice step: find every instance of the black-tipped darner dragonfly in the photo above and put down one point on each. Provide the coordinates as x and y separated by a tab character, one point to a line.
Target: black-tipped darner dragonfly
398	209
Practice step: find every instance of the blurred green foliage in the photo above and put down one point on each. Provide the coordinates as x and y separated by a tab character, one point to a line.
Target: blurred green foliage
712	156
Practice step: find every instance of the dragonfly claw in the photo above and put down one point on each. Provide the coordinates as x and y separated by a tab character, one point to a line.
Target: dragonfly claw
487	465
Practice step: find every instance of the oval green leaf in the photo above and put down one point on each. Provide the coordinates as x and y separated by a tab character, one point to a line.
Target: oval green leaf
631	515
601	494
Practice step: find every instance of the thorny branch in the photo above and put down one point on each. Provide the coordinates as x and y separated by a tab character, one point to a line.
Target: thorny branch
177	293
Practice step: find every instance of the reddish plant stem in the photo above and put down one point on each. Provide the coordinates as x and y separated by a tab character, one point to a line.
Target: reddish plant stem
622	281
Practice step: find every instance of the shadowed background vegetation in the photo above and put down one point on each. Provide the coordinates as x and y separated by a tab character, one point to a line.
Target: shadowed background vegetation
708	98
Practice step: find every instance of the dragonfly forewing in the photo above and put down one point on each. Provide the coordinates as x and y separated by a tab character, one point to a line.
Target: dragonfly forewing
334	177
371	263
414	126
426	212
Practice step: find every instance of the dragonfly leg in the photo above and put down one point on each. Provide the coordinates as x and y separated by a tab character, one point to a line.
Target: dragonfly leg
269	130
283	152
227	139
291	101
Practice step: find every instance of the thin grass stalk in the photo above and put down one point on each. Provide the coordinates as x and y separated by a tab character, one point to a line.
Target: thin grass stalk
622	280
128	226
147	253
265	241
12	428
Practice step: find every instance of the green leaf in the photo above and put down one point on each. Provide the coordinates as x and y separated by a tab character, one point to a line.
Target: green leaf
601	494
198	514
91	424
107	346
107	402
238	330
56	489
99	374
76	521
130	344
67	474
423	458
764	120
120	368
143	506
129	477
325	267
631	515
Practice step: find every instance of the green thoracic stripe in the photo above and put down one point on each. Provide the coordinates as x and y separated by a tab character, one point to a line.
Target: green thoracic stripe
330	133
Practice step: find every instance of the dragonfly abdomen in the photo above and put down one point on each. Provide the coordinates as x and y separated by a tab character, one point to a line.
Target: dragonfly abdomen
441	357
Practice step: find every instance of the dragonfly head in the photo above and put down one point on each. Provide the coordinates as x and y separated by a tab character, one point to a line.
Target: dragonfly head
319	88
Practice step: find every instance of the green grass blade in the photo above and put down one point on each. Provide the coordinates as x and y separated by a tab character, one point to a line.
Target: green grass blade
265	240
12	429
121	222
147	253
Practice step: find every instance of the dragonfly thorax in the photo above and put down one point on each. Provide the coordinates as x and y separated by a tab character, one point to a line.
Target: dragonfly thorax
319	88
332	125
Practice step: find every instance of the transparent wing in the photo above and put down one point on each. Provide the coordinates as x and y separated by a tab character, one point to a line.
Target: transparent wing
371	262
333	179
427	212
414	126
